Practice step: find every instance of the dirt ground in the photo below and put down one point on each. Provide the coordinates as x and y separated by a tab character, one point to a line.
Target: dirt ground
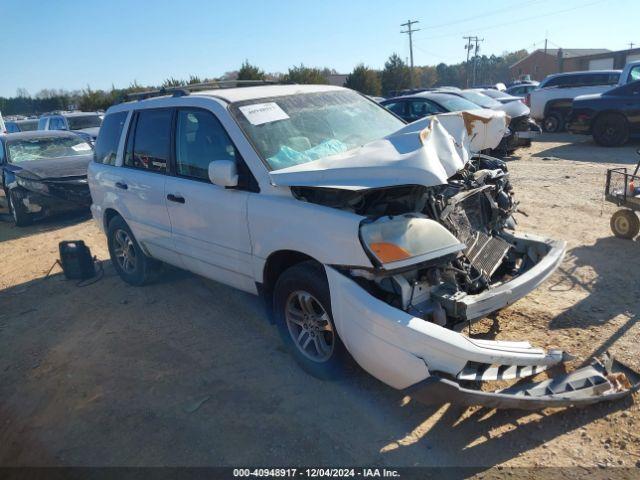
190	372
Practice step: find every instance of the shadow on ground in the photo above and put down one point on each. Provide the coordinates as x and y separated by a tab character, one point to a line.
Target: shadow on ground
40	226
189	372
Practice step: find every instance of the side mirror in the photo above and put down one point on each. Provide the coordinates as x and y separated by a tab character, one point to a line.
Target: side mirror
223	173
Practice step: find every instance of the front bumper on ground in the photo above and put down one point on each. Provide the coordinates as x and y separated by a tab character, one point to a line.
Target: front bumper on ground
466	307
603	380
427	361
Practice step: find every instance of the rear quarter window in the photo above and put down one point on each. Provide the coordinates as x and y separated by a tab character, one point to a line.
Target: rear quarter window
106	148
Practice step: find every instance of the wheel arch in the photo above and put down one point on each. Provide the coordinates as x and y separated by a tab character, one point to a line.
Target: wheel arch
109	215
561	105
277	262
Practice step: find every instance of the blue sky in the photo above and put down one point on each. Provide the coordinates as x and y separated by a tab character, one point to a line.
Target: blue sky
71	44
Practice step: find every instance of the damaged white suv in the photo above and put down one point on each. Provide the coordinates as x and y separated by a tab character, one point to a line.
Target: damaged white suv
367	237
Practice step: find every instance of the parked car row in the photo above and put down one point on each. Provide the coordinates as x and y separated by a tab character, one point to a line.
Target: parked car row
521	128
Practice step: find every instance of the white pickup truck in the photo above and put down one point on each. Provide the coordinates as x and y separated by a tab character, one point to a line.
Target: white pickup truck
550	103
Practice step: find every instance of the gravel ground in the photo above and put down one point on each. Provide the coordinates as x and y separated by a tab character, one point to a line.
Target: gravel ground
189	372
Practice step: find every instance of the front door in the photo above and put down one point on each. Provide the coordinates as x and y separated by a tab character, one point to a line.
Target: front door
208	222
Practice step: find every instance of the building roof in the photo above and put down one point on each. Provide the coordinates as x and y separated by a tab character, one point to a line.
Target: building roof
566	53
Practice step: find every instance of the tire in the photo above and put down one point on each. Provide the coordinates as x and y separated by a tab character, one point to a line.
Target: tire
302	303
610	130
553	122
18	211
128	259
625	224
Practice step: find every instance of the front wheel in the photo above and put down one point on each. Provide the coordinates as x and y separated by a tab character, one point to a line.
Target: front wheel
553	122
128	259
625	224
18	211
611	130
302	308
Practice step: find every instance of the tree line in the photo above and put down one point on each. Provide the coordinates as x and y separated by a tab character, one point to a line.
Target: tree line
394	77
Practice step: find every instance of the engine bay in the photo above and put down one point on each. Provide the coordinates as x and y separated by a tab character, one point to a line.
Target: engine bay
476	206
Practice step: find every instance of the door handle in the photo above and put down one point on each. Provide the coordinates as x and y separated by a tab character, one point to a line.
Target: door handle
175	198
122	186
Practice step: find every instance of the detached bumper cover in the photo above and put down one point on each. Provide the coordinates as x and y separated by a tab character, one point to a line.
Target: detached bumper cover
603	380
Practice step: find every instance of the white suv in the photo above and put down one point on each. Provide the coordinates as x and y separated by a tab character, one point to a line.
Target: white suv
368	238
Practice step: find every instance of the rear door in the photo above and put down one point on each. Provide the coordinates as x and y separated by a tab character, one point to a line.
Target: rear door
209	222
140	182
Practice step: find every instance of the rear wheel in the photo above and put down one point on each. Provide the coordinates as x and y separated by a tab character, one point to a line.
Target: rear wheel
302	308
553	122
625	224
128	259
611	130
19	212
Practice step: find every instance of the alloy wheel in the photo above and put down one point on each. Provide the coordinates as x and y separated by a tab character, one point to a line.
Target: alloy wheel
309	326
124	251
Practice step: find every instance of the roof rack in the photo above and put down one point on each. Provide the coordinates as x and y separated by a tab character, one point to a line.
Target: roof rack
184	90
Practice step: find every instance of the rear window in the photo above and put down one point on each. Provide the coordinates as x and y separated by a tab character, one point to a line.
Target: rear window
106	147
151	141
28	125
84	121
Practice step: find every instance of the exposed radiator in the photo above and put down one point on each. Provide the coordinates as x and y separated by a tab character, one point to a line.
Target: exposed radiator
485	253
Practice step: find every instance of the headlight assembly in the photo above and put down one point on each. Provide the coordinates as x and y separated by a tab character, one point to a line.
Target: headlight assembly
32	185
407	239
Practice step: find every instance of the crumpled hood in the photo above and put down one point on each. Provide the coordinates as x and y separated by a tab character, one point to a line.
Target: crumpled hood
426	152
55	168
91	131
514	109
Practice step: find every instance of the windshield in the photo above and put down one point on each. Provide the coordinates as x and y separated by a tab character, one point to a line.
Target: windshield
296	129
454	103
483	100
84	121
28	125
46	148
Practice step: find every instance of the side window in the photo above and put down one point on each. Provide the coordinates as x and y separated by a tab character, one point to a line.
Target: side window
422	108
56	123
1	153
396	107
200	139
151	141
12	127
42	123
106	147
634	74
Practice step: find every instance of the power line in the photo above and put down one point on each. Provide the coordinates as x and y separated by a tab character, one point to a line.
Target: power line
511	22
486	14
410	32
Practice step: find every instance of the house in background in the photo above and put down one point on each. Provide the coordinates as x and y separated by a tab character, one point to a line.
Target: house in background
540	63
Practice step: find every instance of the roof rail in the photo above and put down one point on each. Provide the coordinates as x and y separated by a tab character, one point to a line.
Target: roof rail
184	90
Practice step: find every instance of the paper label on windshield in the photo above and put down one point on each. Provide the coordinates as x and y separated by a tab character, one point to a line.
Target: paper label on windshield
81	147
260	113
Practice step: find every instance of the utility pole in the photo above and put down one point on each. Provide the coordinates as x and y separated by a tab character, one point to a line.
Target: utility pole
476	40
545	46
631	44
467	47
410	32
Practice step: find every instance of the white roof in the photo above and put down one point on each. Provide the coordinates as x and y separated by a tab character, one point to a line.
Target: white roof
263	91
